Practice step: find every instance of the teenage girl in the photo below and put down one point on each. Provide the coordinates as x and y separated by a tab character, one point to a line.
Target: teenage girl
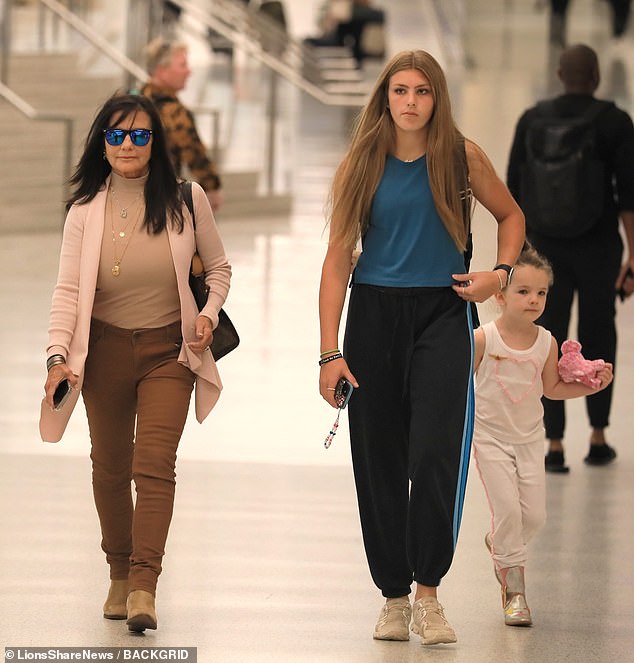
409	341
516	364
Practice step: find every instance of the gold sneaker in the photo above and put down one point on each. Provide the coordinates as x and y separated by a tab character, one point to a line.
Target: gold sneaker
430	622
393	622
516	610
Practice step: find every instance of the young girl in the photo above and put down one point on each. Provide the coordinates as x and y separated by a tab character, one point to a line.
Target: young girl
408	343
516	363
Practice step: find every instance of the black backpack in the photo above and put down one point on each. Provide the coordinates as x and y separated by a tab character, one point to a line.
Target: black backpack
563	179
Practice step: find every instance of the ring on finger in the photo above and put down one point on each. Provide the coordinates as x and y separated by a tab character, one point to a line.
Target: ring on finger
330	388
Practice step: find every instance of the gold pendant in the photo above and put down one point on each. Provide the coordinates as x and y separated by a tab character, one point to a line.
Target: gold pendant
122	234
123	213
116	270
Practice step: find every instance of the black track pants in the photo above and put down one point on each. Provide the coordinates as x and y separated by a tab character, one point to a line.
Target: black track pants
410	420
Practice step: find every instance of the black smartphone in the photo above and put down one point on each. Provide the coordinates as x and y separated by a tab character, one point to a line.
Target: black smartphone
343	391
62	392
621	292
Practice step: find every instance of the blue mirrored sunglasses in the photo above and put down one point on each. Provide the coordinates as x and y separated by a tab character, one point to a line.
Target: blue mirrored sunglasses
139	137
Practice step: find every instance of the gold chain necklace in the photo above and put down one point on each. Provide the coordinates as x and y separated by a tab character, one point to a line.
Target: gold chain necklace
116	268
123	212
123	232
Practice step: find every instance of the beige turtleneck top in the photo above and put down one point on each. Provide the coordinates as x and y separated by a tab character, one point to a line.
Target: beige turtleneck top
141	292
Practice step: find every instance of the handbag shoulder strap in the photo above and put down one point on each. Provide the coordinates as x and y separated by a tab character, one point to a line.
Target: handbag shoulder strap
186	190
462	172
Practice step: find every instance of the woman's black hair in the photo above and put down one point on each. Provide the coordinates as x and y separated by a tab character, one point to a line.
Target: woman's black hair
162	194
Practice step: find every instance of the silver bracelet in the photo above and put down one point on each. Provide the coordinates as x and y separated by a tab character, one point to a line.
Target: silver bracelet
54	360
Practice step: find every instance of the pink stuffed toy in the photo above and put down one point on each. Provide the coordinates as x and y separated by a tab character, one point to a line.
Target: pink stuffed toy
574	368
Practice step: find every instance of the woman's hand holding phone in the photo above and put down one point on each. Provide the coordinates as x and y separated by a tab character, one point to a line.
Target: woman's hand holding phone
343	392
329	376
61	394
339	395
60	382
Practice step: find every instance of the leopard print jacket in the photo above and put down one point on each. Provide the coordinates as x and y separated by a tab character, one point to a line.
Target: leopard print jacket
182	137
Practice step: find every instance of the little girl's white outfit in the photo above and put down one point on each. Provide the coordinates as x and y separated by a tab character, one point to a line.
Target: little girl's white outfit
508	442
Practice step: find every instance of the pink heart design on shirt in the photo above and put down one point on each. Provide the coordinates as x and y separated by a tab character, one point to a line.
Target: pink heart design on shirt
511	370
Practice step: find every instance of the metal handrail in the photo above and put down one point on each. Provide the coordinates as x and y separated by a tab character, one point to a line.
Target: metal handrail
125	62
5	31
26	109
259	36
240	31
96	39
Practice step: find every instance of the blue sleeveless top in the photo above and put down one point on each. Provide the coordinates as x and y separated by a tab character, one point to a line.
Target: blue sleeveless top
406	244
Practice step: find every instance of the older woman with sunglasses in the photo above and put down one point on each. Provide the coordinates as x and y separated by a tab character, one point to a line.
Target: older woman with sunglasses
125	331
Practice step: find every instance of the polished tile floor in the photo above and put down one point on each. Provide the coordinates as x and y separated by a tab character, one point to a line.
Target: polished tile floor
265	560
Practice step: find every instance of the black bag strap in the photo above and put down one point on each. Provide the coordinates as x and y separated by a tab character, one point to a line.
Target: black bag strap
462	172
466	195
186	190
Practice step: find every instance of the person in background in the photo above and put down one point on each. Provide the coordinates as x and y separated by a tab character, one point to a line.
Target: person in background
600	247
169	70
515	363
342	23
621	10
402	187
125	331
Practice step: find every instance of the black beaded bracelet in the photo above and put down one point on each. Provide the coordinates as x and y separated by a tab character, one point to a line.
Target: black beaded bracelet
325	360
54	360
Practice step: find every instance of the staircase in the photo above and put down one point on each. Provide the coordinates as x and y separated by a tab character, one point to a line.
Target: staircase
32	173
31	170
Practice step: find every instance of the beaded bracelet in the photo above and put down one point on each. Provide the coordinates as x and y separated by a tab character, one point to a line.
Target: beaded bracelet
54	360
327	352
325	360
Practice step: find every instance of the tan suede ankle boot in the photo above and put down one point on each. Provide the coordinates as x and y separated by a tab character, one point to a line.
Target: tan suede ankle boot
115	605
141	611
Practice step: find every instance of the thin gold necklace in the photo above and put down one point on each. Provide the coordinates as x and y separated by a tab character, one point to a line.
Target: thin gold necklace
116	268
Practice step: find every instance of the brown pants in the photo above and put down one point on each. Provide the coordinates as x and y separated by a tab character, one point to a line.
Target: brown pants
132	377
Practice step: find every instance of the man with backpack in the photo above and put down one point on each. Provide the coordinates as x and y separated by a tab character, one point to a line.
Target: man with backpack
571	169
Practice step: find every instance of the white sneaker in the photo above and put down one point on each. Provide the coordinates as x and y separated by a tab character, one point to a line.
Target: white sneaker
393	623
430	623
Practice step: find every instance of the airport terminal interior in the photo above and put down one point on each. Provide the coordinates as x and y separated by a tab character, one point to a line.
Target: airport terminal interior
265	560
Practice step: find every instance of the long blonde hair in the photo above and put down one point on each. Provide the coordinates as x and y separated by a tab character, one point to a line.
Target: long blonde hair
373	138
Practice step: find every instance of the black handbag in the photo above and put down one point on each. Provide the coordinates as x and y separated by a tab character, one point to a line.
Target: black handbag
225	338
